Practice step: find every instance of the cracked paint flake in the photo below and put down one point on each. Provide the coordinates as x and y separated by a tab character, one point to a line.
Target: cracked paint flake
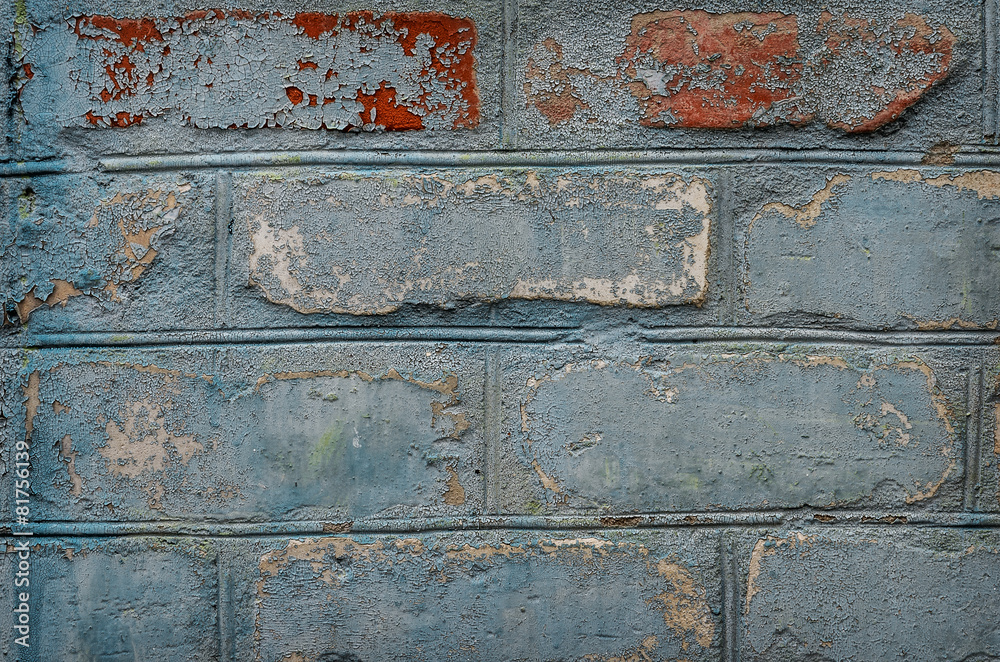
359	70
339	571
366	245
699	69
891	421
115	246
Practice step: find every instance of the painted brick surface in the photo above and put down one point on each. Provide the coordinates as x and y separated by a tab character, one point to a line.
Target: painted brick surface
871	595
139	598
876	248
733	427
325	432
475	596
351	243
395	71
502	329
383	74
853	69
85	253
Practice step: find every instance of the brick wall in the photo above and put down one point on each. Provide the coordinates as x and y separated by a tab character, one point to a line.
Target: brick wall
500	330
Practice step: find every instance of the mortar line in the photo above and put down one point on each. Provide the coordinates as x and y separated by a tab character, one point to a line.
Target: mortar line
972	439
506	158
223	242
224	606
508	74
492	415
538	158
730	600
726	264
490	334
702	520
220	612
991	75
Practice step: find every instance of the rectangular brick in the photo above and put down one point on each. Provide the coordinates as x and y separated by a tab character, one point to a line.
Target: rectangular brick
106	599
491	595
314	432
126	253
708	427
872	248
843	72
928	594
358	70
369	244
256	74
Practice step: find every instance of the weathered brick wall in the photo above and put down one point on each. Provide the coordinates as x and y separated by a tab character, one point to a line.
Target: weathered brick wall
500	330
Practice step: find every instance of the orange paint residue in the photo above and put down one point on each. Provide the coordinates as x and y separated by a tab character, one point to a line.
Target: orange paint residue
388	113
316	24
727	66
448	33
131	32
294	95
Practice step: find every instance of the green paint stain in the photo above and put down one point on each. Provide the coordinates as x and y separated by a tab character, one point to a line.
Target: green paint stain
329	447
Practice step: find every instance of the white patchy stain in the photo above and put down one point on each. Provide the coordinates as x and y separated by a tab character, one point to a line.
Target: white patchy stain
805	215
366	245
984	183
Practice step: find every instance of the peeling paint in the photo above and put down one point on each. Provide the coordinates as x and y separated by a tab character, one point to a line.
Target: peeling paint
864	424
985	183
699	69
218	69
319	243
127	436
761	550
478	585
454	495
902	249
113	249
805	215
843	595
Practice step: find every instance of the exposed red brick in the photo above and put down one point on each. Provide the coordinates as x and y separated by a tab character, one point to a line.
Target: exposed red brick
387	112
410	87
131	32
720	68
846	31
315	24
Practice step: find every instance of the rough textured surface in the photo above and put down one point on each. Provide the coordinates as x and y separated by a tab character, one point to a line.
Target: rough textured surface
359	70
96	253
500	329
734	65
142	598
733	427
586	596
929	594
881	248
350	243
328	432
